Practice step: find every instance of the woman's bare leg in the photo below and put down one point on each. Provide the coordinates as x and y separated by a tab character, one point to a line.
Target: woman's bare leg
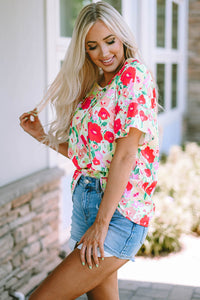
70	279
107	289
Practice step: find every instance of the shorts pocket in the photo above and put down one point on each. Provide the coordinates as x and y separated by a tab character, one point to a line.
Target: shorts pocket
134	241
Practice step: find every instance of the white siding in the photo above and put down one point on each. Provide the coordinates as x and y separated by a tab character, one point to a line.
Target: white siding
22	83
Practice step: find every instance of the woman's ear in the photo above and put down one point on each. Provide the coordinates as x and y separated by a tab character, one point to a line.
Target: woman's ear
125	51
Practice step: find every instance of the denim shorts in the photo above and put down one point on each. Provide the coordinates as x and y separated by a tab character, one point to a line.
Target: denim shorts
124	237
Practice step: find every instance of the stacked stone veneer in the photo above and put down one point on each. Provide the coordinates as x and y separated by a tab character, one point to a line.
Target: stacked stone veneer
193	128
29	220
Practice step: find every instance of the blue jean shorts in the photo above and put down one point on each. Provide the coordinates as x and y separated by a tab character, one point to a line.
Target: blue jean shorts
124	237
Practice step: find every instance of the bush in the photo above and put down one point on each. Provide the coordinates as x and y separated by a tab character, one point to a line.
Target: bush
177	200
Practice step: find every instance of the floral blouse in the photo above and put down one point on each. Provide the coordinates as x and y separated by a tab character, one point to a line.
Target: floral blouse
106	114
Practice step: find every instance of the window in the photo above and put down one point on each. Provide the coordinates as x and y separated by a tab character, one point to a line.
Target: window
174	85
160	74
175	8
116	4
168	55
68	13
161	23
168	29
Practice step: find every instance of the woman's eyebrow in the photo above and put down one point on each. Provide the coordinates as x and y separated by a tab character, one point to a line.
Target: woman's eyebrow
103	38
108	36
91	42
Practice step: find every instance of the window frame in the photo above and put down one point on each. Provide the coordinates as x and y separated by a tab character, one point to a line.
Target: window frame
170	56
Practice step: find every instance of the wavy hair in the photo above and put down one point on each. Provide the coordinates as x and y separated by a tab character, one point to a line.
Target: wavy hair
78	73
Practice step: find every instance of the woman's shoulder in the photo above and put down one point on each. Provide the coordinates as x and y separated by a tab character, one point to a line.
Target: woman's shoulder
135	64
132	69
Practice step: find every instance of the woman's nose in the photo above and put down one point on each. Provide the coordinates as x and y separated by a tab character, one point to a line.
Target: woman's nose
104	51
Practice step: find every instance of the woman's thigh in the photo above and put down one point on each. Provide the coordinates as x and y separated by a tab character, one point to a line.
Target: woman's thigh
70	279
107	289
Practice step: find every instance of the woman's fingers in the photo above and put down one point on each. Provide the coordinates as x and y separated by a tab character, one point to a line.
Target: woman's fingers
101	249
23	116
31	115
82	254
95	256
91	241
89	256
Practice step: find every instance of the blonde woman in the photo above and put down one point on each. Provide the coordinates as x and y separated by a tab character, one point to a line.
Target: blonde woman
106	122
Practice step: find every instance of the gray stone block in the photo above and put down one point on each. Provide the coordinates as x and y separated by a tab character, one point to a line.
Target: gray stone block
181	292
125	294
154	293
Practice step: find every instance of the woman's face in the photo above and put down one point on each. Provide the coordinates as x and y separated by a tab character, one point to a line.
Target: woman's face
105	49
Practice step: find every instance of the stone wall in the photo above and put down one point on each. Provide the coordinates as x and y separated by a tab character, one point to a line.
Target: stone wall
193	117
29	220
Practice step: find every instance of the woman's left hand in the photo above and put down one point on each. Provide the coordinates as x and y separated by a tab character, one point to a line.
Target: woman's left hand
91	240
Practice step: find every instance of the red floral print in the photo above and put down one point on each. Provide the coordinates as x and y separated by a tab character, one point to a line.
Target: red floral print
129	186
141	99
83	139
117	109
132	110
117	125
148	154
86	103
151	188
128	75
103	114
94	132
148	172
96	161
145	185
143	116
144	221
75	162
153	103
109	136
154	93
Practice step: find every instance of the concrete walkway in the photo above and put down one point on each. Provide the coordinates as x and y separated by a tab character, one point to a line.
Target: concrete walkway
138	290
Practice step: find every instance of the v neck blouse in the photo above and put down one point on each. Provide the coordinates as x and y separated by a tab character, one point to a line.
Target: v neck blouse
106	114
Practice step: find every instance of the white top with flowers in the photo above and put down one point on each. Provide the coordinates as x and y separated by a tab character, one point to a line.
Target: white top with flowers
106	114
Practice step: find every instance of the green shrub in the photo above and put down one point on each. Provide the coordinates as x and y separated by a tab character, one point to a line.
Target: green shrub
177	200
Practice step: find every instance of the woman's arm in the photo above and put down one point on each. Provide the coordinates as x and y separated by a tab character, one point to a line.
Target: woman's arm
120	168
32	125
62	148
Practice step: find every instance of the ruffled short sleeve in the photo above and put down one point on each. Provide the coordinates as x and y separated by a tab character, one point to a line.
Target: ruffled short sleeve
136	102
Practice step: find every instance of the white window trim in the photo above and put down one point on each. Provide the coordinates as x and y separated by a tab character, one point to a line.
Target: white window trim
169	56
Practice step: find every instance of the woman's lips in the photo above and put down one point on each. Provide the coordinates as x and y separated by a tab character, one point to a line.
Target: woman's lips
108	62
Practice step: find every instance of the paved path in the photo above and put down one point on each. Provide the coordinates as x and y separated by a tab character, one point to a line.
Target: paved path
138	290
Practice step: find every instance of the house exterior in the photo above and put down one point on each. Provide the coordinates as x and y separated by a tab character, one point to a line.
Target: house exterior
193	104
35	199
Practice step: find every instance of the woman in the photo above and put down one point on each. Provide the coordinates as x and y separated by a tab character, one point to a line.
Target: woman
106	122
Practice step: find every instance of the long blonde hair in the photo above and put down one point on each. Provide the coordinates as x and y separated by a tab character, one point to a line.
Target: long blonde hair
78	73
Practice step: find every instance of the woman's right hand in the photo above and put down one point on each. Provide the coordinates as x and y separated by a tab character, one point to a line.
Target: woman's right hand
31	124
